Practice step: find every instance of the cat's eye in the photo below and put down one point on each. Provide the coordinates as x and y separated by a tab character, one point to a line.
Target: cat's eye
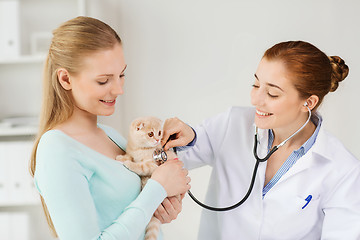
159	133
151	134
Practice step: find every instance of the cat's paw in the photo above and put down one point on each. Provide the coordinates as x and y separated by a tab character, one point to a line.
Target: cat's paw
127	164
122	158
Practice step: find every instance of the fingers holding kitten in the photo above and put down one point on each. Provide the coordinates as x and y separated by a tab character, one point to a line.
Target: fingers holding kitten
169	209
173	177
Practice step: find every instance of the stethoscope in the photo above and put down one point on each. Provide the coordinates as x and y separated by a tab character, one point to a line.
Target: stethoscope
160	156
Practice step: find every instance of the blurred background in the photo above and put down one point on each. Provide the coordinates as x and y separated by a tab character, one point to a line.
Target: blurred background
191	59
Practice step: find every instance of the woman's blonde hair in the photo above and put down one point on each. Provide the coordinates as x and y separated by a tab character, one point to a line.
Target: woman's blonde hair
71	42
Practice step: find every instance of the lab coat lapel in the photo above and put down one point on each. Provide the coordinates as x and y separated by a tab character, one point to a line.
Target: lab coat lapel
311	158
301	164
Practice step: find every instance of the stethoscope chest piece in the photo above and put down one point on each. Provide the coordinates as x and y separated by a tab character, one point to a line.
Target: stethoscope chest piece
159	156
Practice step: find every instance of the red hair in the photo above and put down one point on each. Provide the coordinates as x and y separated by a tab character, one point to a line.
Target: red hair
311	70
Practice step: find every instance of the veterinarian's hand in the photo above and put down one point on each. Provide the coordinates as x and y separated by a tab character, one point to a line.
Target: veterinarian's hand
169	209
173	177
183	133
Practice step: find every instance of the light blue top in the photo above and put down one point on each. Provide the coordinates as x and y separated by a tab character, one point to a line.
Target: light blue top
91	196
295	155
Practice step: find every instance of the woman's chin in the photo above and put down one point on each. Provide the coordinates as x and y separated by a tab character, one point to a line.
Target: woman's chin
262	125
106	113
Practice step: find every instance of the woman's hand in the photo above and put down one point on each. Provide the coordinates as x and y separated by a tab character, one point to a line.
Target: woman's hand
173	177
183	133
169	209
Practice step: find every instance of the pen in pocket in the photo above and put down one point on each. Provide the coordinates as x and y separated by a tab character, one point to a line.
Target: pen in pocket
308	199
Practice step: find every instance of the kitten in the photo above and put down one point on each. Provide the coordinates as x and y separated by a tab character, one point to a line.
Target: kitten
144	137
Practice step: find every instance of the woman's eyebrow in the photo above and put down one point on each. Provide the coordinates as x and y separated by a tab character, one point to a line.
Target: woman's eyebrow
110	74
106	75
275	86
269	84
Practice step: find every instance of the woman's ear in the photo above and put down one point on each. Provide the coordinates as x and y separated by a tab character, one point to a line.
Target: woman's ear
64	78
311	102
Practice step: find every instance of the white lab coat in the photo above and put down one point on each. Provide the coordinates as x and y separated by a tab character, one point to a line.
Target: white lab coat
327	171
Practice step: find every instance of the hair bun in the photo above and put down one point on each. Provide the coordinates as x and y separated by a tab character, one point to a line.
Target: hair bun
339	71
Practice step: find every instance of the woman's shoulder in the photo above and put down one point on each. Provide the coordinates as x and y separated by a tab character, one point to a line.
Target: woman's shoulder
233	119
330	147
336	164
55	146
245	113
55	151
235	114
242	110
54	139
58	155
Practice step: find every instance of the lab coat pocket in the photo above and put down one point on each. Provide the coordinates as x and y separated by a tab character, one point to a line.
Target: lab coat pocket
308	211
306	202
297	214
305	215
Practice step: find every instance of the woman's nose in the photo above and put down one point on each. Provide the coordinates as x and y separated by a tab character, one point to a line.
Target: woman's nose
118	87
257	97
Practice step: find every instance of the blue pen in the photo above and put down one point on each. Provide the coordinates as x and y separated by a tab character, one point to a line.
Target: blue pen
308	199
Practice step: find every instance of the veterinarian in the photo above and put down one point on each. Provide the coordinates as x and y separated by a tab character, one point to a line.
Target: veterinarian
309	186
86	194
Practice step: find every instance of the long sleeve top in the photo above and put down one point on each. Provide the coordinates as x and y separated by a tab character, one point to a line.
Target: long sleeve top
91	196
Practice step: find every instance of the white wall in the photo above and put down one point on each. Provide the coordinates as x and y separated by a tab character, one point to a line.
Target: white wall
195	58
186	56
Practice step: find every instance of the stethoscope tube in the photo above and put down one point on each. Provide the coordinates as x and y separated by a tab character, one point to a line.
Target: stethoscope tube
258	161
223	209
251	186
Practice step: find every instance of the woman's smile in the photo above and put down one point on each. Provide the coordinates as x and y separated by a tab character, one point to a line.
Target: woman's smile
109	102
262	114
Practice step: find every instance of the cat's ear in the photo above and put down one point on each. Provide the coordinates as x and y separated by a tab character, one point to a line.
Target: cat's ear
139	126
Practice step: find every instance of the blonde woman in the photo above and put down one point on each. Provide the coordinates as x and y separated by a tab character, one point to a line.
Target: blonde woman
86	194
